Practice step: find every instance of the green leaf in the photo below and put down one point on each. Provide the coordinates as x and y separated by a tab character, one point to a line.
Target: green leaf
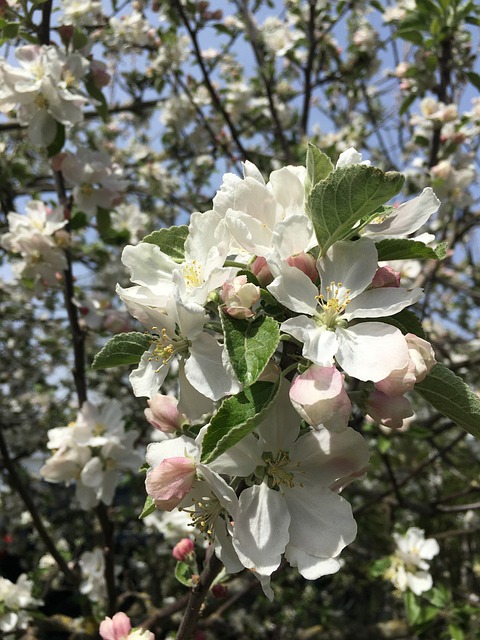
412	608
124	348
10	30
101	103
407	103
346	196
79	39
455	632
449	395
58	142
148	508
184	573
104	224
237	417
250	345
404	249
319	166
171	241
474	78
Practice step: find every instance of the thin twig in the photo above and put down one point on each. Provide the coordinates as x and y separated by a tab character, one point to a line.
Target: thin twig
198	594
17	485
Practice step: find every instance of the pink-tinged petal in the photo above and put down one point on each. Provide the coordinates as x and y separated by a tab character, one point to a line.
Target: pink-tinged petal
390	411
260	532
371	350
163	413
407	218
386	277
170	482
351	264
320	398
310	567
116	628
381	303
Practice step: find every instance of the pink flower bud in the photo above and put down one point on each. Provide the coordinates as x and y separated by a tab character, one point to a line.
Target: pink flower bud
219	591
306	263
261	270
163	413
421	359
385	277
421	354
320	398
239	296
387	410
116	628
101	77
57	161
170	481
65	32
183	549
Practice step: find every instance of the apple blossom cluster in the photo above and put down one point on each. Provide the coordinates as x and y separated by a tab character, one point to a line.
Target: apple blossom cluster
272	306
44	90
409	568
96	181
39	238
92	452
15	600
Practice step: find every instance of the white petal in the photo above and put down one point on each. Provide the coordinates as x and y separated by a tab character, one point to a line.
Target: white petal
407	218
92	473
326	456
383	302
419	582
371	350
206	371
295	290
148	266
148	377
353	264
310	567
192	403
321	523
261	529
251	234
293	235
319	345
350	156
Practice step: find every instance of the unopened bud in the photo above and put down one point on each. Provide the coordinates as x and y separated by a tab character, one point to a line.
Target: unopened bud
261	271
306	263
385	277
219	591
163	413
387	410
239	296
183	549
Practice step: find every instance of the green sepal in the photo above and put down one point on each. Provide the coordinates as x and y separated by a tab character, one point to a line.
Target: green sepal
148	508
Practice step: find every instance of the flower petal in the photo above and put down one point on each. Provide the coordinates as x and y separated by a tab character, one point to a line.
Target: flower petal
371	350
261	530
